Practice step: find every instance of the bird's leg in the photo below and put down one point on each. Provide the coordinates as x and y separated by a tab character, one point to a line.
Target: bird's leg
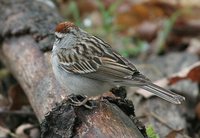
77	101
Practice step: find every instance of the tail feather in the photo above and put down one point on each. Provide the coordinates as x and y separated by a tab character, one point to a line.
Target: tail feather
143	82
163	93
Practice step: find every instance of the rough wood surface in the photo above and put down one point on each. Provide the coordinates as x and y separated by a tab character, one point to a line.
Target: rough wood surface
28	64
105	120
24	29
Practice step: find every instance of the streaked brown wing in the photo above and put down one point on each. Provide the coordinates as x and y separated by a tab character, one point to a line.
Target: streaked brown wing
74	62
98	62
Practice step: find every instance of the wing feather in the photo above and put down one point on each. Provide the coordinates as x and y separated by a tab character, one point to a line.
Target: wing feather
96	61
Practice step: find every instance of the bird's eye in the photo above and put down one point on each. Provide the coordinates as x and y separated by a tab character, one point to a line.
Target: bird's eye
58	38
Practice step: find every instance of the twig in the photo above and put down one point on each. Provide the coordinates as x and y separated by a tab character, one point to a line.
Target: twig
7	131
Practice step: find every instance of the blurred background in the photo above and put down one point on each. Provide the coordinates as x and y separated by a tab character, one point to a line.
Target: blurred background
162	38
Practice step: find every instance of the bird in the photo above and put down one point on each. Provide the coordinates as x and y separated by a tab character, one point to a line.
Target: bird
84	64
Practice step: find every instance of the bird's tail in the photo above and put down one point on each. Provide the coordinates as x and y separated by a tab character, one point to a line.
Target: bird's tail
144	83
163	93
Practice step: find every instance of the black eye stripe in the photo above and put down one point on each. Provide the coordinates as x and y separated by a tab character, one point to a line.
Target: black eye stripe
58	38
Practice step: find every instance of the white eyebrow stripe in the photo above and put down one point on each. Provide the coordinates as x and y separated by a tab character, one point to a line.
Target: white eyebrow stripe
59	35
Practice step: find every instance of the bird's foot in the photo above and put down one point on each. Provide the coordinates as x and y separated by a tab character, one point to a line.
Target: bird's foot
80	100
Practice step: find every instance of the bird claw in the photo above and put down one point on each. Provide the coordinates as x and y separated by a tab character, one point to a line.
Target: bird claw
79	100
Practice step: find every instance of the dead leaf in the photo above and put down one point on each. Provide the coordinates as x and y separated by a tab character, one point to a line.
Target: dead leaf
187	26
4	103
86	6
17	97
136	14
197	110
188	2
192	73
33	131
174	134
5	131
147	30
194	46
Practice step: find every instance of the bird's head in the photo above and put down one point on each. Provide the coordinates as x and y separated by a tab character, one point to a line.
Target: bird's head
65	33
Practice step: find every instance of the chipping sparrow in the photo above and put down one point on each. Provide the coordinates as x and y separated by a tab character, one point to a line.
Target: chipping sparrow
85	64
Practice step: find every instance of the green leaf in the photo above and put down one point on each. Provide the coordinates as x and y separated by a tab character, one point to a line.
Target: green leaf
151	132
